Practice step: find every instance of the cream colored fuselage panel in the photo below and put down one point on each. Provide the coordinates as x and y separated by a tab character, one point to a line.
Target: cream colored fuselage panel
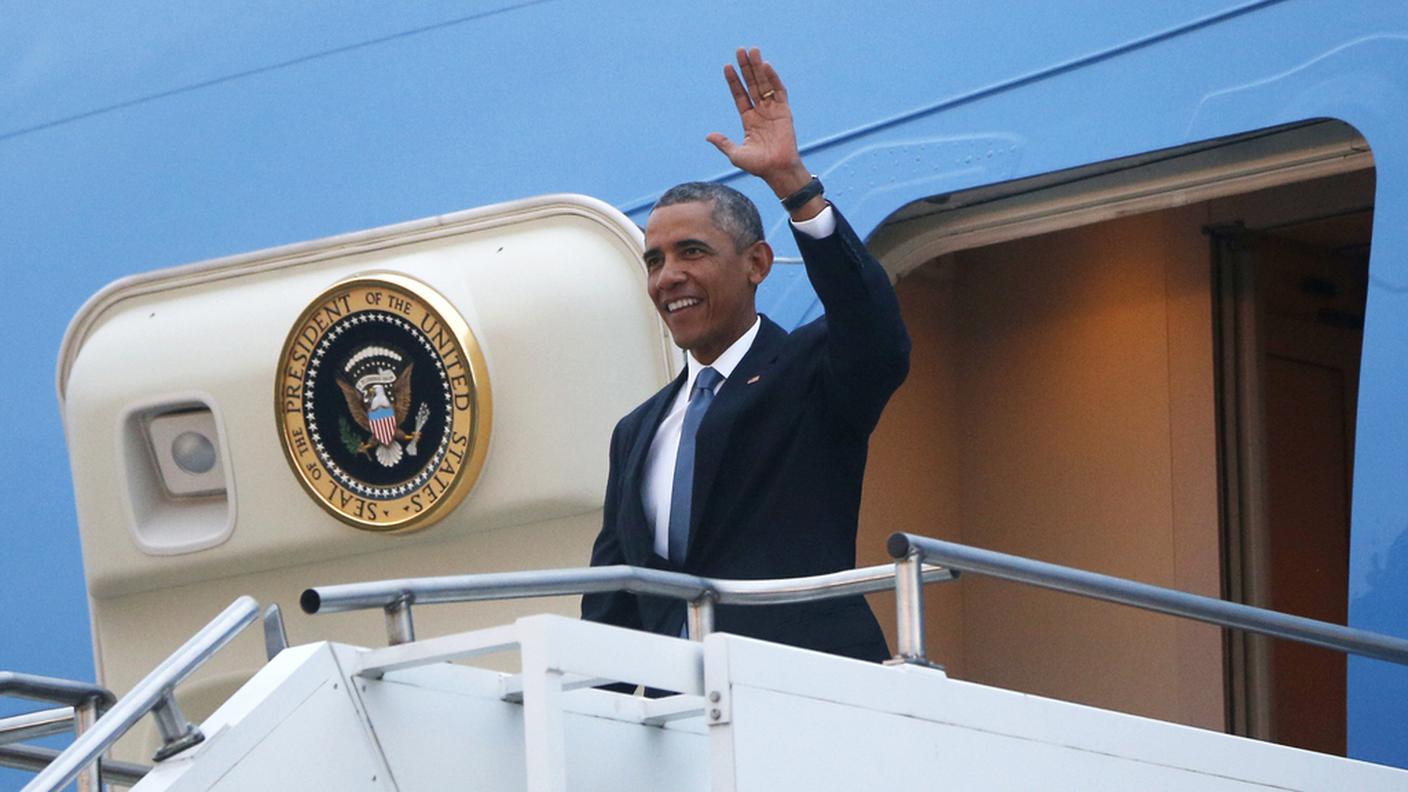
554	291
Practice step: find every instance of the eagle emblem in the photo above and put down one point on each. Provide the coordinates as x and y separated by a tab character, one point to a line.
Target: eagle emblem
376	382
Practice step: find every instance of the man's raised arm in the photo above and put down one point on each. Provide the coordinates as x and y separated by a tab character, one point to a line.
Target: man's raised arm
867	345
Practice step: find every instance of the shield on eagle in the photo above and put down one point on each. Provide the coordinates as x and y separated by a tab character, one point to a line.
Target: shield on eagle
376	382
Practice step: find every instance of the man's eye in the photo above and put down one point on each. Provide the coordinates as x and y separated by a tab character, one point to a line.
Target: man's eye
652	264
694	251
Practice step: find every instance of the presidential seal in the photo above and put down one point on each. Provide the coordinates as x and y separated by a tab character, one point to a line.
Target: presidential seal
383	403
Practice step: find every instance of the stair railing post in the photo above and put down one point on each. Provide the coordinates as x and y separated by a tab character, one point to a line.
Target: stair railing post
275	636
909	608
400	627
177	733
85	714
699	616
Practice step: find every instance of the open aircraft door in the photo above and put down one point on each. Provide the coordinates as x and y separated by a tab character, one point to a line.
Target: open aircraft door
434	397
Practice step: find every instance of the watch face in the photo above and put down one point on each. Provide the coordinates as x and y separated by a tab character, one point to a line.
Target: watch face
383	403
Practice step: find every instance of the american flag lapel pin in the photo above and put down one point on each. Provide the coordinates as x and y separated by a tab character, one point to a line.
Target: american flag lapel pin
753	379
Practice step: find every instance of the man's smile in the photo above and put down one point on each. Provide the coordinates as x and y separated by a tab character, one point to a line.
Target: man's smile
682	303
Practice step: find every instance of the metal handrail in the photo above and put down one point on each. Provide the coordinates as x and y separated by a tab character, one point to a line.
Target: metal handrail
501	585
154	692
36	758
910	550
52	689
85	702
33	725
395	597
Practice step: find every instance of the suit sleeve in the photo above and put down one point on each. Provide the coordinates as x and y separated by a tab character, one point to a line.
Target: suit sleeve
618	608
867	346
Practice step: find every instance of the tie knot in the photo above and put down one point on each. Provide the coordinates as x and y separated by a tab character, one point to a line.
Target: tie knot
707	378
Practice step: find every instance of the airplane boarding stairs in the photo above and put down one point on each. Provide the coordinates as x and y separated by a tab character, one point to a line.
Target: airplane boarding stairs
748	715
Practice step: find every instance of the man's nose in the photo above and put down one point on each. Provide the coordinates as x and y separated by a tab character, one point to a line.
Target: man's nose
671	273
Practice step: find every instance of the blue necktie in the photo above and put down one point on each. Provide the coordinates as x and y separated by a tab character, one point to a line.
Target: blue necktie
682	489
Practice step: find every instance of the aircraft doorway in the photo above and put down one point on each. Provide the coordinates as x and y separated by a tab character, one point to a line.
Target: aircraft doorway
1164	395
1290	327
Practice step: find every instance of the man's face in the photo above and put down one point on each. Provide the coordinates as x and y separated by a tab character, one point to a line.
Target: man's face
699	281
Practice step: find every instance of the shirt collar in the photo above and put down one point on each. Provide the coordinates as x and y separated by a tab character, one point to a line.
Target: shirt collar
728	361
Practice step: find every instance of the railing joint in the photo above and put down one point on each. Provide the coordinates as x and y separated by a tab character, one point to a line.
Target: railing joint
699	615
177	733
400	626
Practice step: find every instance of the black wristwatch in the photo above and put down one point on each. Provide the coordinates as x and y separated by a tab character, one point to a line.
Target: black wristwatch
799	199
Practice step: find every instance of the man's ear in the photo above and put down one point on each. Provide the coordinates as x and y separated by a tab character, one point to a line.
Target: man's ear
759	262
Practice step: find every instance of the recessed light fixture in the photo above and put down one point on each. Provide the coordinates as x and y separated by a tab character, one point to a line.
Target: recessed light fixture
184	445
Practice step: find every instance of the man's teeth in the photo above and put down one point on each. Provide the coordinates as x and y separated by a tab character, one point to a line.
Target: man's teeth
675	305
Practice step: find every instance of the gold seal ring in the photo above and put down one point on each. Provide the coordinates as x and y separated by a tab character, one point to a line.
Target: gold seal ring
383	403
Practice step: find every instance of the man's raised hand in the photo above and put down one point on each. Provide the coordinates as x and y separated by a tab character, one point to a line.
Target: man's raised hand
769	147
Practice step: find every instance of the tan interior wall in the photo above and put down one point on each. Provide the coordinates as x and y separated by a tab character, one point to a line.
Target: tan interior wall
911	481
1062	386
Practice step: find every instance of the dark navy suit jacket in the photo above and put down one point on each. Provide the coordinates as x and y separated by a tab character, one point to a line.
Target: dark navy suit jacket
780	457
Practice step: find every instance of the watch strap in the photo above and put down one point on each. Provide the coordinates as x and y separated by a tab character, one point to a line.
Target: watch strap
800	198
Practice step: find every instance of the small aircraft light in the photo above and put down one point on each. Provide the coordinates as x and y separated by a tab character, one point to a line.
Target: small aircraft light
193	452
184	446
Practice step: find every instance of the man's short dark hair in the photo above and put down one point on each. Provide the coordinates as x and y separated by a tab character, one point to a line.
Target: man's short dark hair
733	213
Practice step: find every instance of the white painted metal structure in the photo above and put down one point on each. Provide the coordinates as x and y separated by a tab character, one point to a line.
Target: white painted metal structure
749	716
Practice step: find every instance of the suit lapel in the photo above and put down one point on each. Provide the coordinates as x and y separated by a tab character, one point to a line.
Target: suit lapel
733	398
635	530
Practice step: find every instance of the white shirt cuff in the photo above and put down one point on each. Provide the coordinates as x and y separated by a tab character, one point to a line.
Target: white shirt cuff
819	227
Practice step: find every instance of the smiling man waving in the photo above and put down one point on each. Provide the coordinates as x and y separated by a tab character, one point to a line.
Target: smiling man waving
749	464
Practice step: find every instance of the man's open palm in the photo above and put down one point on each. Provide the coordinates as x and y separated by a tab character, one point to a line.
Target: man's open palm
769	147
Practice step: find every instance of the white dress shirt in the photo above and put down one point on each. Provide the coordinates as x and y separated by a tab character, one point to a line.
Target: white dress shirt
660	461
